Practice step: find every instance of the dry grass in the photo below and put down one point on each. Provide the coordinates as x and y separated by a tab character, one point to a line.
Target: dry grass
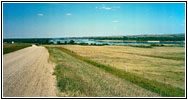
7	47
76	78
163	64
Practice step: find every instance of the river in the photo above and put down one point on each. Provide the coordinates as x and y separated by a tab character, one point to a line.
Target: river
89	41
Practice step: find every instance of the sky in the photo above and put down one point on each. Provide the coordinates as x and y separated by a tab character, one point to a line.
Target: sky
54	20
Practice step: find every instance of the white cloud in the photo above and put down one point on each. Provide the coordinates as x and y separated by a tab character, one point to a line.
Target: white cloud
115	21
107	8
68	14
104	7
39	14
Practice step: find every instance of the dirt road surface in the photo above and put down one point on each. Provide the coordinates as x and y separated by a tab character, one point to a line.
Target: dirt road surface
27	73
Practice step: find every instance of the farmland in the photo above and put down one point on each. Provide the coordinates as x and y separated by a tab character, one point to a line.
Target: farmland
79	78
144	71
163	64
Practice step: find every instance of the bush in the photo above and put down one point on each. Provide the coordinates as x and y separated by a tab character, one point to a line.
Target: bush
83	44
141	46
71	42
154	45
105	44
65	42
58	42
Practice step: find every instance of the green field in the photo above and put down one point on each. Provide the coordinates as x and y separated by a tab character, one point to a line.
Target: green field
80	76
7	47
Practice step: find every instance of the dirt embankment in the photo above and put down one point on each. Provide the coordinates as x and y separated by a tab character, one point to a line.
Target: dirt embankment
27	73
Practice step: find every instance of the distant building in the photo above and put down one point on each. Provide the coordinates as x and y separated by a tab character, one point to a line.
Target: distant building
12	42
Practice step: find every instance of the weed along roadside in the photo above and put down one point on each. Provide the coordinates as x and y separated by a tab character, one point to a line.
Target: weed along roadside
162	89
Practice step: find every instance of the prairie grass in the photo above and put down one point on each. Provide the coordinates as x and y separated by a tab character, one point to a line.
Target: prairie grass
78	78
7	47
154	86
162	64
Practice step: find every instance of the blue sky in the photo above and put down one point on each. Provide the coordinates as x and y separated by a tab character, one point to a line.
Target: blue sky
48	20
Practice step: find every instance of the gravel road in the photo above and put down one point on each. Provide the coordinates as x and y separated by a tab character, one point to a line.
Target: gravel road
27	73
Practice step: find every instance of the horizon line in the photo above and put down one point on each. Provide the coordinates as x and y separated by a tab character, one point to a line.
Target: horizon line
90	36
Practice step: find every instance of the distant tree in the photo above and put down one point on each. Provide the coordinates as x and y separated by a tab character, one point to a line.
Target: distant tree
58	42
154	45
47	41
83	43
105	44
65	42
71	42
51	42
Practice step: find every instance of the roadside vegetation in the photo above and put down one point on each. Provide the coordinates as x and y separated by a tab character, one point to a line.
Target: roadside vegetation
154	86
7	47
78	78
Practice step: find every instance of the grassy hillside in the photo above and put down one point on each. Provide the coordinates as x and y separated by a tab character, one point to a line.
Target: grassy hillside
162	64
7	48
158	87
79	78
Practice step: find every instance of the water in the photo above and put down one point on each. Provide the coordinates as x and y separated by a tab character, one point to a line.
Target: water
111	42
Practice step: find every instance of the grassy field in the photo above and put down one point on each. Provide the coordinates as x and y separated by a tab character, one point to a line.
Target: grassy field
7	47
76	77
163	89
163	64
